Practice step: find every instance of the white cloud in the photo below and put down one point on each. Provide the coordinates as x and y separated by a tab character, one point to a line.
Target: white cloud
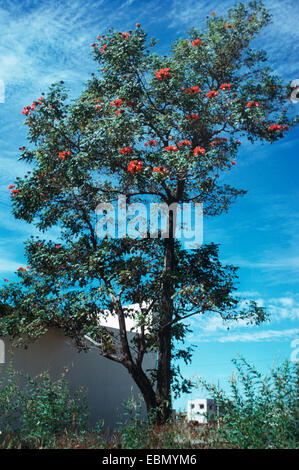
7	265
258	336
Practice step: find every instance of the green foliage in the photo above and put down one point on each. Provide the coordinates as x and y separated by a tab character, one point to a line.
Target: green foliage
35	412
135	432
261	412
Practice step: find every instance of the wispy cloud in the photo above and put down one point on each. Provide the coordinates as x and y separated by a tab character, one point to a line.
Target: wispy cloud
260	336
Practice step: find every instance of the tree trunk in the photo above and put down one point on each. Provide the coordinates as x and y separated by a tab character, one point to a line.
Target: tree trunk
144	385
165	330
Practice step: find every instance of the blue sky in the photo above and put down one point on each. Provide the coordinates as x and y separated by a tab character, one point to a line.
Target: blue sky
42	42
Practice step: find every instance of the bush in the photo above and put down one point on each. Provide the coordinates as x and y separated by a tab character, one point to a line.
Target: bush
260	412
34	412
137	433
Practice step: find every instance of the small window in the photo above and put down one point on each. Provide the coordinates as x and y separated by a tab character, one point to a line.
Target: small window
201	406
211	407
192	406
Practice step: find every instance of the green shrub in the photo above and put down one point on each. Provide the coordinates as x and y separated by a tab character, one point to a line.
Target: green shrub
260	411
34	412
134	432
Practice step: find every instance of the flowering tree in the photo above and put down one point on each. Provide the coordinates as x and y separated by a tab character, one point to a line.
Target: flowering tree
150	128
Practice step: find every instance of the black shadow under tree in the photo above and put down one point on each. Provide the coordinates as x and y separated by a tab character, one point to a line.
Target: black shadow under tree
153	128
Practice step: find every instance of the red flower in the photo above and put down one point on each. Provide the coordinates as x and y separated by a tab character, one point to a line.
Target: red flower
225	86
63	154
137	25
6	280
198	150
196	42
252	104
57	246
117	102
126	150
278	127
159	169
193	116
184	142
151	142
212	94
11	186
233	162
26	110
193	89
162	73
171	148
125	35
135	165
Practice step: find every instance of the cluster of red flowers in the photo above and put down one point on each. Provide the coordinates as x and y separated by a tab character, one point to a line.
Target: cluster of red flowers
65	153
151	142
135	165
278	127
212	94
27	109
21	269
104	46
159	169
196	42
117	102
184	142
193	116
252	104
227	26
193	89
225	86
162	73
13	191
125	35
198	150
171	148
218	141
126	150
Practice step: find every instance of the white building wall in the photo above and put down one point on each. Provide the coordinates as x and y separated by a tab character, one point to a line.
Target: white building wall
199	409
108	383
